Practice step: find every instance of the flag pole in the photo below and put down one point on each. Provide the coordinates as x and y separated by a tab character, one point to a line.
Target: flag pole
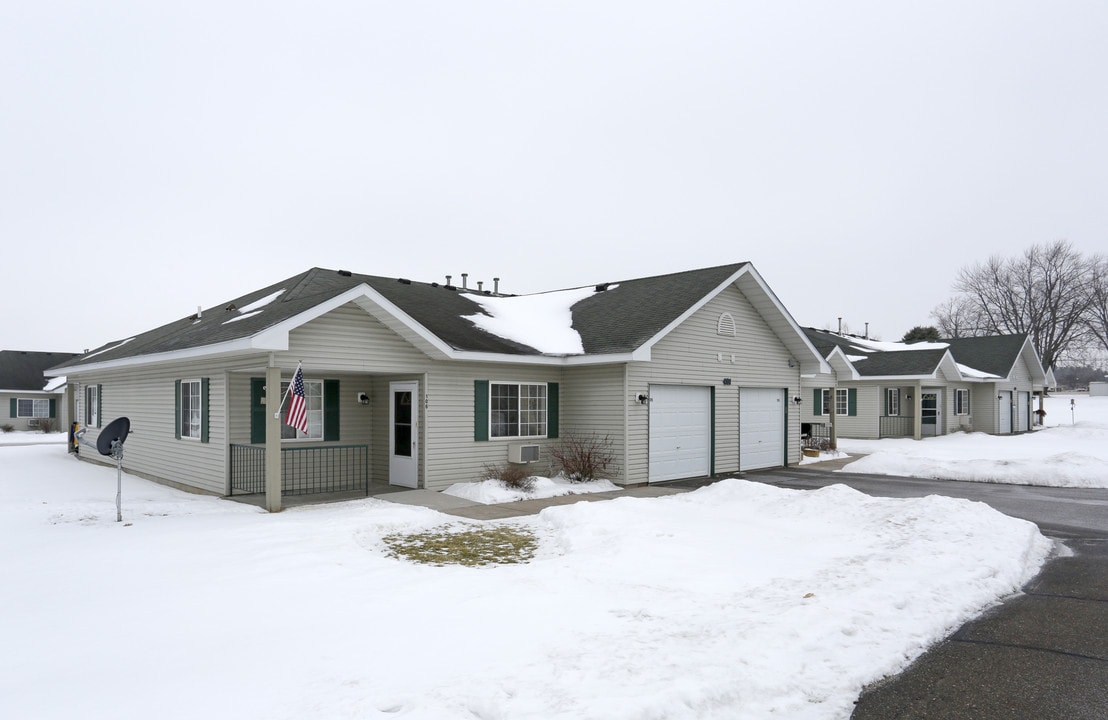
289	390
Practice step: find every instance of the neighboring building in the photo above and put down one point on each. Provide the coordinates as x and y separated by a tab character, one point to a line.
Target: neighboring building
889	389
28	399
1098	389
423	385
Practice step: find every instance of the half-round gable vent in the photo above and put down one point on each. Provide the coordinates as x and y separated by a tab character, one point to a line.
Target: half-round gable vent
726	325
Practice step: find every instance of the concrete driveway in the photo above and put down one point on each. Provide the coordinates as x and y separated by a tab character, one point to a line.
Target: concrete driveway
1041	654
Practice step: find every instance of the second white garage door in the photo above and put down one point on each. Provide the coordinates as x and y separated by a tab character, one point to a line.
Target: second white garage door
761	428
680	432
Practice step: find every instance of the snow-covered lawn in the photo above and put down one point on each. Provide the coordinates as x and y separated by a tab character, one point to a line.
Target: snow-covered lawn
739	600
32	437
1071	450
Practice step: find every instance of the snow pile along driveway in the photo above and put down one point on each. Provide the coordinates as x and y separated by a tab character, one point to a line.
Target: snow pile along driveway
1070	451
739	600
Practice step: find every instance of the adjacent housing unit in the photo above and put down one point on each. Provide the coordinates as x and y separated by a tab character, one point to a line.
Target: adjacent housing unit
888	389
424	384
28	399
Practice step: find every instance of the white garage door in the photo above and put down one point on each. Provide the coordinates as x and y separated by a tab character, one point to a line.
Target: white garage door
680	432
1023	410
761	428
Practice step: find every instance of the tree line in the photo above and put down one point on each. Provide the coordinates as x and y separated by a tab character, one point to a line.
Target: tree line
1051	292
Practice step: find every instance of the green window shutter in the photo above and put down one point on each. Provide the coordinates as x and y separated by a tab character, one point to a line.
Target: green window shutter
552	403
886	401
257	411
99	406
331	410
817	401
852	402
177	408
203	410
481	410
53	408
15	409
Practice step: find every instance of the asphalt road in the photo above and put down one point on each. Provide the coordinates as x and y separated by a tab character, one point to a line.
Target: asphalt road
1042	653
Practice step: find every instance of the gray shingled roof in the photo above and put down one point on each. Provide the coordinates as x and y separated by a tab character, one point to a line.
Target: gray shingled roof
994	354
615	320
24	370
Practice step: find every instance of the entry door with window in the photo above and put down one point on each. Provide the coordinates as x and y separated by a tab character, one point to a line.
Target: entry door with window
404	434
929	413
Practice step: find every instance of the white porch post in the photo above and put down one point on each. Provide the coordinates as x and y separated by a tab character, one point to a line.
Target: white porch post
917	411
273	439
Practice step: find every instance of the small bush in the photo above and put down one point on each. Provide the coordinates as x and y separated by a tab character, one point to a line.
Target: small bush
585	457
513	477
6	427
47	425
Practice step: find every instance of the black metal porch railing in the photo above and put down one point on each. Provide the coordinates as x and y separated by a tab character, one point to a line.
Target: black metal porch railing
304	470
893	426
816	436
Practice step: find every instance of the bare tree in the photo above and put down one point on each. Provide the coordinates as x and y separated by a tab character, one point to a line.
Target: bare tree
1045	292
1098	307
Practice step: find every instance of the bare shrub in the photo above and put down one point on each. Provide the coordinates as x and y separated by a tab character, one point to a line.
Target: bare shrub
7	427
585	457
47	425
513	477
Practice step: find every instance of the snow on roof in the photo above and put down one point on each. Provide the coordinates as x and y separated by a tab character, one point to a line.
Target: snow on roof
856	358
262	302
864	345
55	384
543	321
969	372
111	347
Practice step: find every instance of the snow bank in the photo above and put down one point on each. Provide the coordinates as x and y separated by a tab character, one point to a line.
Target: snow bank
491	492
739	600
1070	451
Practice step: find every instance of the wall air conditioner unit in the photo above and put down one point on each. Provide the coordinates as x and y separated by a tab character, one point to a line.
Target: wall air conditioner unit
520	453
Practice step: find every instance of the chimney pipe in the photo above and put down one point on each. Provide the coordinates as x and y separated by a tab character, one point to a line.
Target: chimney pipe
465	279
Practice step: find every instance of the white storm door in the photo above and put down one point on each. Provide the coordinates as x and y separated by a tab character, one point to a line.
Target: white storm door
680	432
761	428
1005	409
404	434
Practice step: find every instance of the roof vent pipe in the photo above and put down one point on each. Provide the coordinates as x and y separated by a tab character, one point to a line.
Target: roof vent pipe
496	286
480	283
465	279
199	312
448	279
867	331
840	320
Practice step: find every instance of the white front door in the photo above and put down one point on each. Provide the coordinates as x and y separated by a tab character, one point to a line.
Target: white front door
761	428
404	434
680	432
931	413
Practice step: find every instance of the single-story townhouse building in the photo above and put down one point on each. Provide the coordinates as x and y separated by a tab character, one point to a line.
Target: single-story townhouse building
423	385
892	389
28	399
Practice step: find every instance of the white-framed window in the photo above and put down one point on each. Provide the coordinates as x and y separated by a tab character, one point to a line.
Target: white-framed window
892	401
32	407
313	398
825	402
190	409
842	401
517	409
961	402
92	406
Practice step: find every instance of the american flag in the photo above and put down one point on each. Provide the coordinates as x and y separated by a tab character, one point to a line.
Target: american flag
297	416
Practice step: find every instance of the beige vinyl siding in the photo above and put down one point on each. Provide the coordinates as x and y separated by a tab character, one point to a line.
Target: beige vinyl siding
869	405
695	354
448	413
984	408
146	396
594	401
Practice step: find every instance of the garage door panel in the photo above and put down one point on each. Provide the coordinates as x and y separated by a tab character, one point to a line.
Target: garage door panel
761	428
680	432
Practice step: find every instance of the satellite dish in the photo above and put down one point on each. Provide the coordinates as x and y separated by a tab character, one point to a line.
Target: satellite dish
116	430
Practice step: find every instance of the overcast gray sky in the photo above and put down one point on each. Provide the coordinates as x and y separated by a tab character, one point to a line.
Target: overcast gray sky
157	156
